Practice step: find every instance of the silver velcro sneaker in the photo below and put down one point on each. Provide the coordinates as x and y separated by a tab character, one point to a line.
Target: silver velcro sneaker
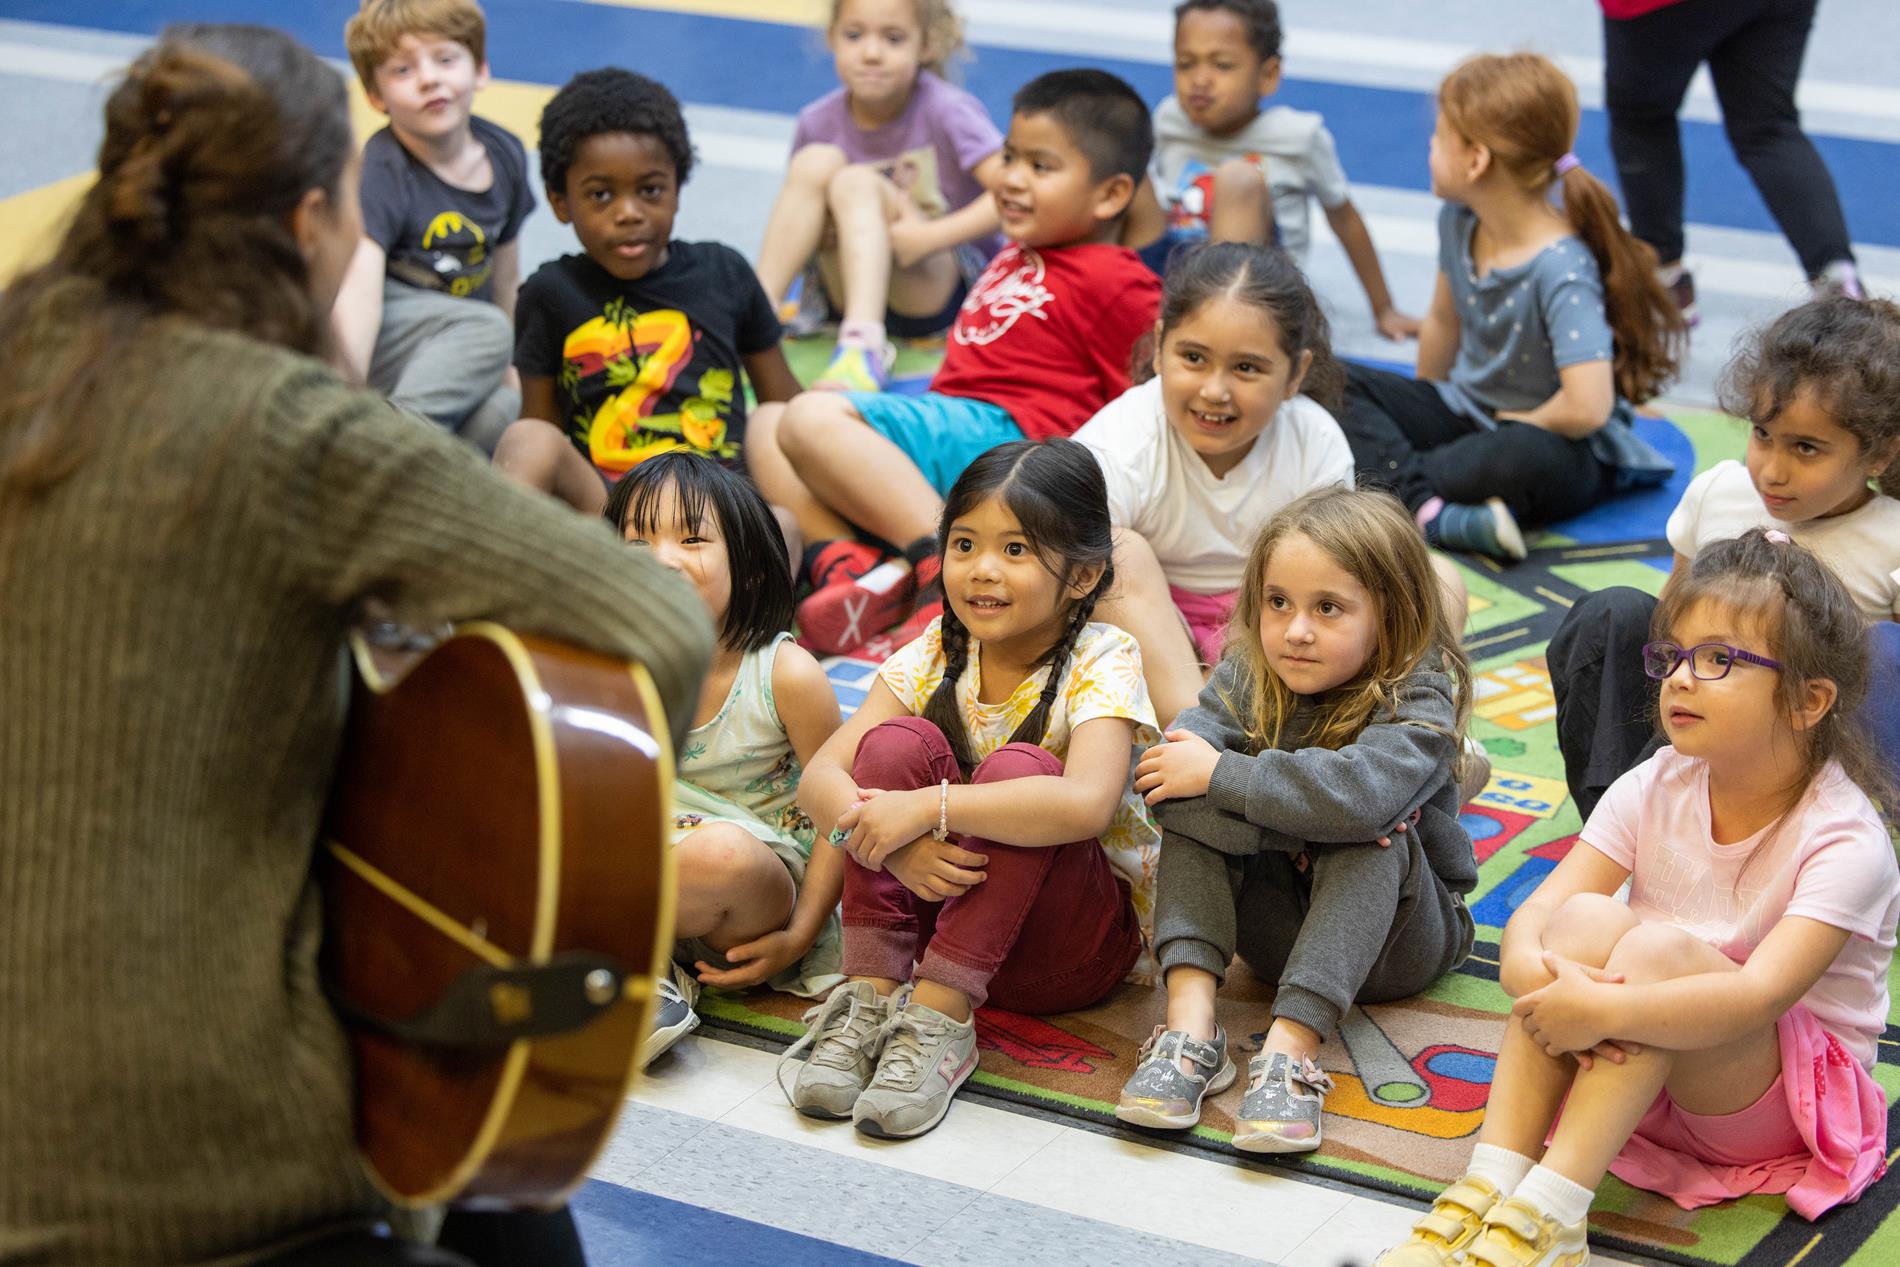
1160	1095
1281	1110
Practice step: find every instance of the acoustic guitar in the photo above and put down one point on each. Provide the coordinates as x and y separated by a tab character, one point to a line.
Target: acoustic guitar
498	899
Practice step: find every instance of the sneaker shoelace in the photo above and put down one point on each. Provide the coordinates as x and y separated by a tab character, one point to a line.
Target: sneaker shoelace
908	1038
844	1015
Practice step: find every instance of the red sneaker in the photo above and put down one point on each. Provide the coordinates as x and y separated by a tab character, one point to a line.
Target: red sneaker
840	559
851	609
885	645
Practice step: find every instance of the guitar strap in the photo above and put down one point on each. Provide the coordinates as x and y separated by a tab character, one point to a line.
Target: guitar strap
488	1006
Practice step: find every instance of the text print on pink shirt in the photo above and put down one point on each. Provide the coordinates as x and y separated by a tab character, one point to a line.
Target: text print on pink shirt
1010	288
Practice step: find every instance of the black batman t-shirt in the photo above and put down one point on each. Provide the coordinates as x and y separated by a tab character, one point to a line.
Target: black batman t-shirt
437	236
650	365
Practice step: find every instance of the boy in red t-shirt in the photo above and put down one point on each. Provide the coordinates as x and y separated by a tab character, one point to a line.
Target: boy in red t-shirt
1042	341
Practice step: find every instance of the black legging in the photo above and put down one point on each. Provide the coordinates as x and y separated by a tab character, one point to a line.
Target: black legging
1404	438
1754	50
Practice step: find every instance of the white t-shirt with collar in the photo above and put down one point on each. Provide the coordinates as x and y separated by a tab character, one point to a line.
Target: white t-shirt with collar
1202	526
1862	546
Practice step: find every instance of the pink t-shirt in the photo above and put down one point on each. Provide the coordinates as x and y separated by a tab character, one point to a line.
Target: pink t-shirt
1828	859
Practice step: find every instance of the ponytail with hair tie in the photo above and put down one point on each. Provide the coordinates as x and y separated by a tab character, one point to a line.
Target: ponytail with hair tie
1523	108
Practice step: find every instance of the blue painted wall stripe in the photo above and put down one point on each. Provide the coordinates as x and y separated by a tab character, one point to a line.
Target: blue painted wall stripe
1381	132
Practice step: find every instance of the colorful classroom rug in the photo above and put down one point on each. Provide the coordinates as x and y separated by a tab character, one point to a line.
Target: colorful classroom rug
1412	1077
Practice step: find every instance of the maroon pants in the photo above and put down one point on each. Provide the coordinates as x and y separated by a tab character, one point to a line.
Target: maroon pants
1048	930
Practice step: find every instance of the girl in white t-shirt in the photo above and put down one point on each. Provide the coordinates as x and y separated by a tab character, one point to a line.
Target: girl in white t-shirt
1713	1037
1232	426
1818	386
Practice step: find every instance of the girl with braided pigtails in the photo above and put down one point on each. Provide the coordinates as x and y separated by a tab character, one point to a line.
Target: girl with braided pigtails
996	849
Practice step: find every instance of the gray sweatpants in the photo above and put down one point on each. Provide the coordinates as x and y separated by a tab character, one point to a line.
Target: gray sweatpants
443	358
1363	924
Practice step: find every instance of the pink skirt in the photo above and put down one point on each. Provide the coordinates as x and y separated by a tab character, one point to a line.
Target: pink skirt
1819	1134
1206	616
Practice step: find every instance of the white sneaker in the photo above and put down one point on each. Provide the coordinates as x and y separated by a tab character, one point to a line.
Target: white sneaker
845	1034
673	1014
926	1057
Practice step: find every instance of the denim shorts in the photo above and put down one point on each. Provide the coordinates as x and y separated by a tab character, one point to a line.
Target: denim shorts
941	434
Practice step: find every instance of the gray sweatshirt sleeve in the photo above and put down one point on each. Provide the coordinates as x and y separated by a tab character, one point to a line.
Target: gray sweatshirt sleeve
1354	793
1196	818
1211	717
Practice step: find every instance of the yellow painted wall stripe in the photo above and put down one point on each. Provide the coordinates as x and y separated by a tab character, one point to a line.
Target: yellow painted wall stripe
783	12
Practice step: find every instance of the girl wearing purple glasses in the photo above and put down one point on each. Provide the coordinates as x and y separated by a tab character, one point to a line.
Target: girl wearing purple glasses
1713	1036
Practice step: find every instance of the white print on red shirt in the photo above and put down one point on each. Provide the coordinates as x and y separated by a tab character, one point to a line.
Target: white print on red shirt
1011	288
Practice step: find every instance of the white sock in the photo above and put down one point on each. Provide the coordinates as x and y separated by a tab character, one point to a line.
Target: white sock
1554	1195
1501	1166
865	334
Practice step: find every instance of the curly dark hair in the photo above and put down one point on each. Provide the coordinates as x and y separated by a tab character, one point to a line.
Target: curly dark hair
610	100
1845	351
1260	17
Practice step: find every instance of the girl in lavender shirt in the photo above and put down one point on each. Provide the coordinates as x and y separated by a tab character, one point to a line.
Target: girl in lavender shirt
890	174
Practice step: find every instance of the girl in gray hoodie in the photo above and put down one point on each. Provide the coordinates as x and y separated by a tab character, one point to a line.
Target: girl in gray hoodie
1309	809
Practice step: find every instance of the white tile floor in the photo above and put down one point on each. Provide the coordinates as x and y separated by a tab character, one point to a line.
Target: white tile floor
1195	1202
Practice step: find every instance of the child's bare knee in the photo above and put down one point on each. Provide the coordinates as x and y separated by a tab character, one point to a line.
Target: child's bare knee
1587	927
1134	556
530	447
814	165
855	182
1659	952
1451	587
718	856
1240	182
808	428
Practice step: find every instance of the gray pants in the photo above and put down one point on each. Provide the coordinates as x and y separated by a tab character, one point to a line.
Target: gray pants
1362	924
443	358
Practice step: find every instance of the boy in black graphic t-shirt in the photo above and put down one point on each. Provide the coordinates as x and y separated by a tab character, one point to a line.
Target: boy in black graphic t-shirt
424	315
636	347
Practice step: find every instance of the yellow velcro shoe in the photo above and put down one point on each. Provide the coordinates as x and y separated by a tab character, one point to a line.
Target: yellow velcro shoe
1442	1233
1518	1234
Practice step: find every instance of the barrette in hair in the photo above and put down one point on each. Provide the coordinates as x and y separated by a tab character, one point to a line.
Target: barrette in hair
1777	536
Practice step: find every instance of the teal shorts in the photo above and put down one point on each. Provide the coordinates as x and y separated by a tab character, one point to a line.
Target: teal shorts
941	434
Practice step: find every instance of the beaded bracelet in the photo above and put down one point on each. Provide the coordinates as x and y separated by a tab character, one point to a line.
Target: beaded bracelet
943	811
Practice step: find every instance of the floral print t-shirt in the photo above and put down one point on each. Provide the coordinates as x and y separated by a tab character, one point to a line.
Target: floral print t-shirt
1103	679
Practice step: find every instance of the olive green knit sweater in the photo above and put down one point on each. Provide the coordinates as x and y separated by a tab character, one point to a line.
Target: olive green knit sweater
173	1088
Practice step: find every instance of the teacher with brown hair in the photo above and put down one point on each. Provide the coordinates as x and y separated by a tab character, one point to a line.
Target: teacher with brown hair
193	512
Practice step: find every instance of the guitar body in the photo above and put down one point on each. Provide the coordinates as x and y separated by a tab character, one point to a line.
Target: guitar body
500	802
